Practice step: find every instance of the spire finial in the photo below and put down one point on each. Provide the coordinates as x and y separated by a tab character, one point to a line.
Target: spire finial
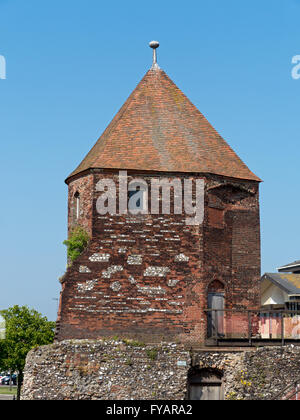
154	45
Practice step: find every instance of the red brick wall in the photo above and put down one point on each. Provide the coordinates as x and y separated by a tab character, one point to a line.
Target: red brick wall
147	276
84	186
232	252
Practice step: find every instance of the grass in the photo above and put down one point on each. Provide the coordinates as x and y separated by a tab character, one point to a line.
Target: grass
6	390
152	354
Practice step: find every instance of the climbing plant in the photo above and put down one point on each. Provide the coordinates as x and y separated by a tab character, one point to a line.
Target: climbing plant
76	243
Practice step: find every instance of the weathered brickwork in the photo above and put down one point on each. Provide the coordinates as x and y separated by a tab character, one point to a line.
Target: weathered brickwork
83	187
123	370
148	275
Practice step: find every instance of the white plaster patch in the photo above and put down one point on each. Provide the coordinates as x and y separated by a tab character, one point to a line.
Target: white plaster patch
148	290
172	283
131	280
181	258
115	286
88	285
134	259
84	269
99	257
111	270
122	250
152	271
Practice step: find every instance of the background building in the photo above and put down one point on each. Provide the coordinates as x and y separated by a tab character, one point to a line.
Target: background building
282	290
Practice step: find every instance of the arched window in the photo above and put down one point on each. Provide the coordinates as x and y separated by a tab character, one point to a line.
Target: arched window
76	205
138	197
215	306
205	384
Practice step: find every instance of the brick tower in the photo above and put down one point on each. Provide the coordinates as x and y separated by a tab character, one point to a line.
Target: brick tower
149	275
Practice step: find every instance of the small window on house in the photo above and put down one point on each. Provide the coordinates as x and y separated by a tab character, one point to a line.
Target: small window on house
76	205
138	197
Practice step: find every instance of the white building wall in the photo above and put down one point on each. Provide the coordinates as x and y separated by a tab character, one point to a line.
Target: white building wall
272	295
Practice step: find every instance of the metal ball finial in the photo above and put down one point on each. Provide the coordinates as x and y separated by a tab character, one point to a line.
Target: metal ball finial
154	45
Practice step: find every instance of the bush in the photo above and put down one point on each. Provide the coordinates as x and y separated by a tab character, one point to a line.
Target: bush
76	243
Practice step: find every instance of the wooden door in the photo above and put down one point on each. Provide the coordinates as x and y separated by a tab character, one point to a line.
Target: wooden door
215	320
205	384
205	392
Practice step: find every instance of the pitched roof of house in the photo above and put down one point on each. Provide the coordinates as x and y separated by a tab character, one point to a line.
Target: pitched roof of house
290	267
290	283
159	129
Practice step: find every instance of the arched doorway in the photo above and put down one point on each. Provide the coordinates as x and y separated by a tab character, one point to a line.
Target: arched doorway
205	384
216	305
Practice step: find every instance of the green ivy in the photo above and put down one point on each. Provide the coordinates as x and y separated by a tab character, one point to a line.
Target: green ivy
77	242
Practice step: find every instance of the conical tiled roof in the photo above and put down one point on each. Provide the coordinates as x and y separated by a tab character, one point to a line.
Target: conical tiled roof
159	129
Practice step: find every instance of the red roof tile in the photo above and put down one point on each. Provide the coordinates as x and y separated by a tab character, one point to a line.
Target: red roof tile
159	129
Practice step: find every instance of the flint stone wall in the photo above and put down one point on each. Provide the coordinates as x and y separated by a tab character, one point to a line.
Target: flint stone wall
124	370
93	370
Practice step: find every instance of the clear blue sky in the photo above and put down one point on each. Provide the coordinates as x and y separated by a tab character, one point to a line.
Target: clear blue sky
70	66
